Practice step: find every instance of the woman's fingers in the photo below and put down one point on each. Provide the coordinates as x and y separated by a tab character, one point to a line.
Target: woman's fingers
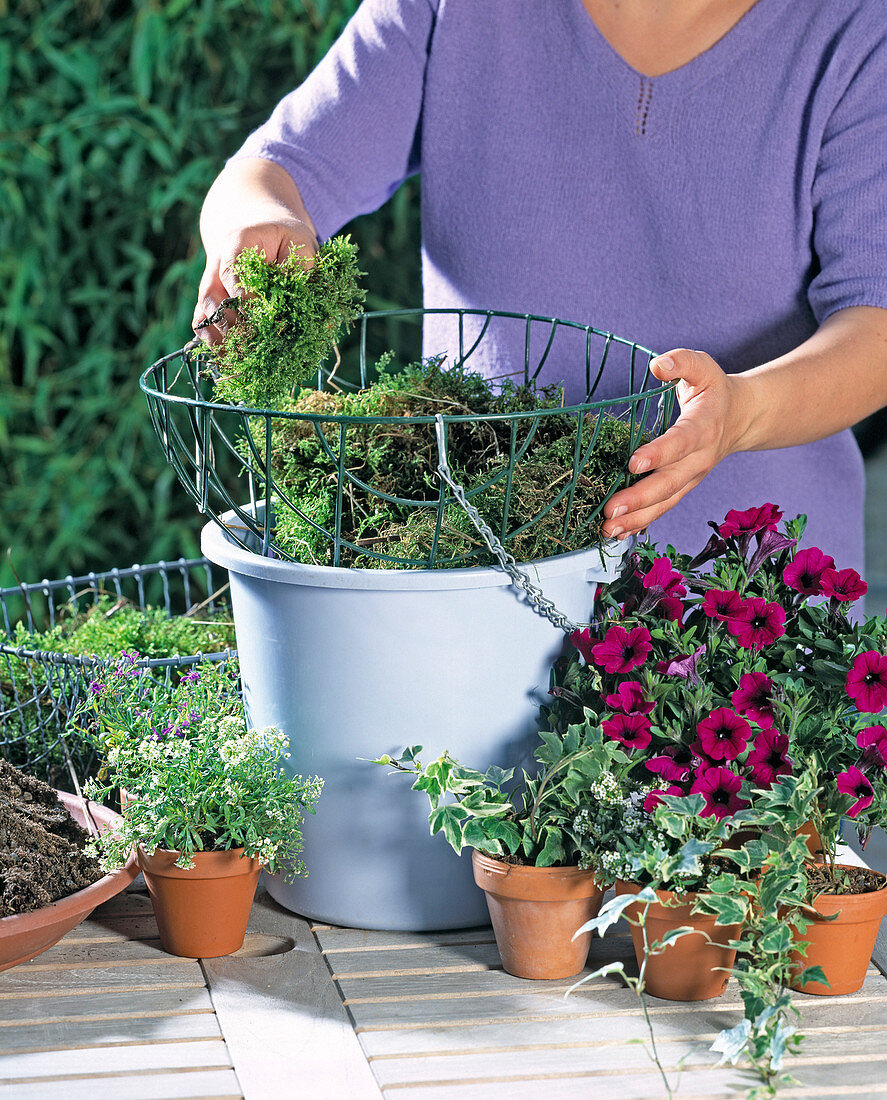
275	240
679	459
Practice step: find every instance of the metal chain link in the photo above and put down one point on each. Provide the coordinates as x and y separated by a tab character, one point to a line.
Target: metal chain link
519	578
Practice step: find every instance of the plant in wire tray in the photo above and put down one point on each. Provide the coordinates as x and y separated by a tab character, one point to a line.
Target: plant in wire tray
108	627
198	778
538	479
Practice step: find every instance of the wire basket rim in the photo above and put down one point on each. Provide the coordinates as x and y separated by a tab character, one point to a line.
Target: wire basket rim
146	379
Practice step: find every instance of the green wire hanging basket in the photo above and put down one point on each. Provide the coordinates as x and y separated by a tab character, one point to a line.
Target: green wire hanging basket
223	454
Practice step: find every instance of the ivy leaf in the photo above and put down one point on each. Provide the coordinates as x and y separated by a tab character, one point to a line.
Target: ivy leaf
776	940
731	1042
449	818
613	910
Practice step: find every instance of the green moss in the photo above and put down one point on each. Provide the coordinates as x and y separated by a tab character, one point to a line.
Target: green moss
289	321
399	457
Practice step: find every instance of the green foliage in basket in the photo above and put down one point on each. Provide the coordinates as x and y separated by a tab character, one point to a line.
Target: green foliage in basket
399	458
290	316
198	778
112	625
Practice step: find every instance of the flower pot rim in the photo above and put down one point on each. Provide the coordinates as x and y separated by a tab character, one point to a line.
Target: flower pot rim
221	549
532	884
163	862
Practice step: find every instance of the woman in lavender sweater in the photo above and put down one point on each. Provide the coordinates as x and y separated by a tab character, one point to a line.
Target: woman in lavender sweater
705	174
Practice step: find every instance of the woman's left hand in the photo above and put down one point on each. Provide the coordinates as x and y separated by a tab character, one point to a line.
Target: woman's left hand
712	421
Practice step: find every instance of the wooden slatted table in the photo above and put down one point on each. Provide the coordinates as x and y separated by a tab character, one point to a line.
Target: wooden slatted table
321	1013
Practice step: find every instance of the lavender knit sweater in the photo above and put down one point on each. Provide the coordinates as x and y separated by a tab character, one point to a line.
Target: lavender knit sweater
730	205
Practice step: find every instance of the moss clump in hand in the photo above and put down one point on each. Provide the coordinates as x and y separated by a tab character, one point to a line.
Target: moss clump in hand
290	317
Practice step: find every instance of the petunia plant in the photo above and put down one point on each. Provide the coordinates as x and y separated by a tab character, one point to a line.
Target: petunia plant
720	674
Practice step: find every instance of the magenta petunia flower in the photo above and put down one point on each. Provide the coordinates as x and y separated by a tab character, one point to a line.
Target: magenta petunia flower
754	696
867	682
854	783
723	735
720	788
769	757
629	699
581	639
631	730
747	523
662	575
673	763
844	585
757	623
721	603
654	798
804	572
873	742
622	650
672	608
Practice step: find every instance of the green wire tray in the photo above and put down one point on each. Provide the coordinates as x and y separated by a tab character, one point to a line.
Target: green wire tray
204	440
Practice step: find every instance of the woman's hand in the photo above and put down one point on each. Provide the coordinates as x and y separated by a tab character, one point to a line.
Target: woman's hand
252	204
713	420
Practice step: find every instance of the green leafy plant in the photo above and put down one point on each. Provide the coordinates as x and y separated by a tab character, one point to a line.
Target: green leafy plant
198	778
530	821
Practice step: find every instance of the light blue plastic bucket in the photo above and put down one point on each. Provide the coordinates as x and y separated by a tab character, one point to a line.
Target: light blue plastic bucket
353	663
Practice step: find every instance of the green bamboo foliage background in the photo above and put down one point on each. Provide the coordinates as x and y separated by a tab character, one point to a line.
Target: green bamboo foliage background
114	119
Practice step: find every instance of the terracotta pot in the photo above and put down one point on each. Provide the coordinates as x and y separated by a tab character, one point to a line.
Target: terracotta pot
692	968
535	911
844	946
23	936
202	912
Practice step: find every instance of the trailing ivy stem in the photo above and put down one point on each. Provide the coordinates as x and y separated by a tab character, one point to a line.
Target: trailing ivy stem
642	922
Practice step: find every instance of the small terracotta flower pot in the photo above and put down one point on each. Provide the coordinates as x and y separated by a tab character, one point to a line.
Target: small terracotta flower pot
535	912
201	912
844	946
693	968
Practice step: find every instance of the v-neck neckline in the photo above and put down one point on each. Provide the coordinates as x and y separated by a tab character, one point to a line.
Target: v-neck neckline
592	42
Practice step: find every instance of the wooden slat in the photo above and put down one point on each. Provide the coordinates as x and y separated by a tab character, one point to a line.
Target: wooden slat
615	1058
73	952
73	1034
283	1019
114	930
366	964
334	940
219	1084
53	1005
102	1061
134	974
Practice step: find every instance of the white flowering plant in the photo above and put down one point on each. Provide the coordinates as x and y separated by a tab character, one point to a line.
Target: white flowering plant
204	782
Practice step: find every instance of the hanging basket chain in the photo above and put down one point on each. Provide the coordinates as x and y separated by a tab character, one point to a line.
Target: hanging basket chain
519	578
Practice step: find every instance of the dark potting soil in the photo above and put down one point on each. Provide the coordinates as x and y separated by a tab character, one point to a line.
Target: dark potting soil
852	880
41	846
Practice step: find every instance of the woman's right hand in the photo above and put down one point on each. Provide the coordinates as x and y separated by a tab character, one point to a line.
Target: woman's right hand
252	204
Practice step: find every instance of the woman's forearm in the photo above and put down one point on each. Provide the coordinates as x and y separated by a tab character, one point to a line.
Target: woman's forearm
253	203
828	383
